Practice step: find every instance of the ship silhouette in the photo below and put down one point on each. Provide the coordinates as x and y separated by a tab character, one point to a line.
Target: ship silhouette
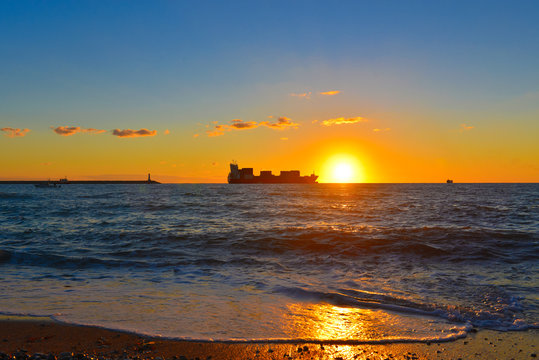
246	176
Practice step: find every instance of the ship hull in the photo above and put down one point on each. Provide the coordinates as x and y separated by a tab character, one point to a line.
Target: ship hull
256	180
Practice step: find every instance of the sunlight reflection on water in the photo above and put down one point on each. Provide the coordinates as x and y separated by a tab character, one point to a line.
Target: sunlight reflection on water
331	322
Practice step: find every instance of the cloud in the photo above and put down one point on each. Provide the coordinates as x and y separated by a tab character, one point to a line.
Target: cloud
381	130
237	124
342	120
464	127
330	93
71	130
166	132
284	138
66	130
13	132
216	132
306	95
133	133
282	123
196	135
241	125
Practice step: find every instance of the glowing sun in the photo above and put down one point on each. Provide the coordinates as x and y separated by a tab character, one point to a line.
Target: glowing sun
343	172
343	168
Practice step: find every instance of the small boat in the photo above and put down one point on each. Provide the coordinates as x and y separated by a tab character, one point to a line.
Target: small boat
449	181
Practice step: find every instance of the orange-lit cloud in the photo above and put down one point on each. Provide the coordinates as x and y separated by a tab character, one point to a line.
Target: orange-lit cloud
330	93
71	130
284	138
166	132
237	124
13	132
196	135
342	120
241	125
133	133
381	130
464	127
217	132
92	131
306	95
282	123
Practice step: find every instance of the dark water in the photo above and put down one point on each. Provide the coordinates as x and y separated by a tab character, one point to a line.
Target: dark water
370	262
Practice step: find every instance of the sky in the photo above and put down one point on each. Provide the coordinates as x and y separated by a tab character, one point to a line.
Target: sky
393	91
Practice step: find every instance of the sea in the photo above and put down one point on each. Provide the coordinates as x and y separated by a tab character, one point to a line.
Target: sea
356	263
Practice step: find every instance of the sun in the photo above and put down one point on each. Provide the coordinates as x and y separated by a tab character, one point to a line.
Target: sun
342	168
343	172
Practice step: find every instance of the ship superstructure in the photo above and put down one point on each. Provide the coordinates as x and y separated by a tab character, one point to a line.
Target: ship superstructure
246	176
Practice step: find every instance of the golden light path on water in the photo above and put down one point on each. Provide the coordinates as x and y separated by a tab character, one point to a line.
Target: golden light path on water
328	322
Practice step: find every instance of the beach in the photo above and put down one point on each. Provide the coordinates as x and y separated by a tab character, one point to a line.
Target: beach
26	336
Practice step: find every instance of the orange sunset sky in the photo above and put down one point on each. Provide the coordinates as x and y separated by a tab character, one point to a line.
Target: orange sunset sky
354	91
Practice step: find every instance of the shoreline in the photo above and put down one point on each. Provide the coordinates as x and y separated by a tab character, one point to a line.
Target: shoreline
30	335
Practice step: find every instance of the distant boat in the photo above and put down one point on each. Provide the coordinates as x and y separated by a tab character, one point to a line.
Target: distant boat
246	176
449	181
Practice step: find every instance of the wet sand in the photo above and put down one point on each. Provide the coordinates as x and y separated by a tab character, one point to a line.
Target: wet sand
44	336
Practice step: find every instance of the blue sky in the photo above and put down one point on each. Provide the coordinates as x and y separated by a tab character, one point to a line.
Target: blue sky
178	64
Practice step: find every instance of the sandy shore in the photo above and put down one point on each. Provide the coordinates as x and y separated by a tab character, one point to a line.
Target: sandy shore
46	336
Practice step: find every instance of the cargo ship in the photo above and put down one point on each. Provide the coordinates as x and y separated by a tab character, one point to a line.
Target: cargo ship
246	176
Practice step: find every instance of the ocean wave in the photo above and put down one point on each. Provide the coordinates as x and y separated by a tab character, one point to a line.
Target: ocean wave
114	244
453	334
503	318
59	261
451	243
